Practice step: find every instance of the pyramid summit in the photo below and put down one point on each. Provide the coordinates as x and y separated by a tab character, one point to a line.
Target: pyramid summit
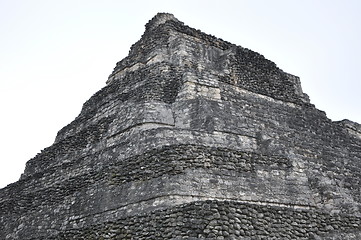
192	137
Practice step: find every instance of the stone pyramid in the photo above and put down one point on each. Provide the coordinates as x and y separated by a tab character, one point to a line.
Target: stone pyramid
192	137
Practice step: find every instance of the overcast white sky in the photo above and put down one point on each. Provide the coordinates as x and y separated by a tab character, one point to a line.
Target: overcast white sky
55	54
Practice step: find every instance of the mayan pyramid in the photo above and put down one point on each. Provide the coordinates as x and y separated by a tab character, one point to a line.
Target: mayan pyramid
192	137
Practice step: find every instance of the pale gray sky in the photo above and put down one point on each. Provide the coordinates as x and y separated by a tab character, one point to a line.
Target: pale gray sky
55	54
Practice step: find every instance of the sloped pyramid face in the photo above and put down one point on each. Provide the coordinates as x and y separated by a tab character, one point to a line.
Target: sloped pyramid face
192	138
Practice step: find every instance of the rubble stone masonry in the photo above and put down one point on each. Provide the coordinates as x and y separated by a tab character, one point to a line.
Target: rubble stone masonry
192	137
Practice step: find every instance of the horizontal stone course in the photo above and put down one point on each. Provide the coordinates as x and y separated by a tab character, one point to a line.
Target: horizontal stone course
169	160
219	219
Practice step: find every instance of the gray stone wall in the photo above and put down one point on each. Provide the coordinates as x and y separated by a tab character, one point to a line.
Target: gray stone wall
192	138
219	220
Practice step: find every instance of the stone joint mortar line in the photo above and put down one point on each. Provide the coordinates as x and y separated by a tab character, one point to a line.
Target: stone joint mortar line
204	198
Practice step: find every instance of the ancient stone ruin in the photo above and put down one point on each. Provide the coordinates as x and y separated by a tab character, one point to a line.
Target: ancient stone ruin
192	137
